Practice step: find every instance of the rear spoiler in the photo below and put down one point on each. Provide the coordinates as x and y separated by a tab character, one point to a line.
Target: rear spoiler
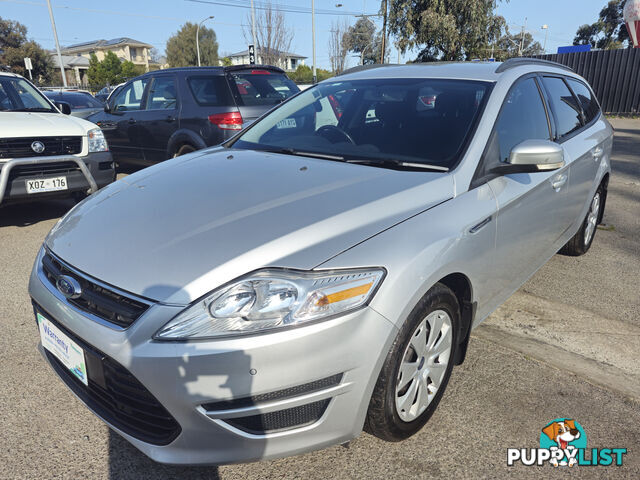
235	68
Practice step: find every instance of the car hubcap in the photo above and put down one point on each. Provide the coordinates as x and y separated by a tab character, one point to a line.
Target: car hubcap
424	364
592	219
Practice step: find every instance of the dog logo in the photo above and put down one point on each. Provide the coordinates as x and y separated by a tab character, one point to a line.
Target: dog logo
564	435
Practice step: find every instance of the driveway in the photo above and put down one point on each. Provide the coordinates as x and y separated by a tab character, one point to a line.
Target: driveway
565	345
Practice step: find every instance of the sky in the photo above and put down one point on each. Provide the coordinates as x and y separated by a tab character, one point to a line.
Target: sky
154	21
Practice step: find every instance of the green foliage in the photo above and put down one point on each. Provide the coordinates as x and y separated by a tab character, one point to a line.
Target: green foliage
14	47
304	74
226	62
508	46
111	71
608	32
362	38
181	47
445	29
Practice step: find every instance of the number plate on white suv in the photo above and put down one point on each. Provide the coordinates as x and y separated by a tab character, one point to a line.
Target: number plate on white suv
46	184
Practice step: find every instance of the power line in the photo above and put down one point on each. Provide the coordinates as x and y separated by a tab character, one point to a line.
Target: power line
280	8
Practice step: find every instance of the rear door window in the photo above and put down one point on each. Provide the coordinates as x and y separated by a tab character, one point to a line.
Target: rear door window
568	111
588	101
261	87
210	91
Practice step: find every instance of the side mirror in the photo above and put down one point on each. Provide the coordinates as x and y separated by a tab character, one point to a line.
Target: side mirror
532	156
107	107
64	107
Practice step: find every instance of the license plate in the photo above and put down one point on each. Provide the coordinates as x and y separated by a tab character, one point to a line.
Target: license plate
286	123
46	184
63	348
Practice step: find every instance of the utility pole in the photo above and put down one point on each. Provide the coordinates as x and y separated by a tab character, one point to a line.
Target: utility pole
253	25
384	32
524	28
198	37
313	33
546	33
55	36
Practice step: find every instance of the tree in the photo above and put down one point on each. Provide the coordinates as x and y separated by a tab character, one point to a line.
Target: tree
361	38
226	61
181	47
273	35
608	32
338	47
445	29
111	71
508	46
14	47
304	74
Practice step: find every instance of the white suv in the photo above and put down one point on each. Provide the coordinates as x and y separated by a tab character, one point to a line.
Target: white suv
44	152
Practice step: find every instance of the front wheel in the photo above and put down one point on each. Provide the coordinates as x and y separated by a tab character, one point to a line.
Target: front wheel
582	240
417	369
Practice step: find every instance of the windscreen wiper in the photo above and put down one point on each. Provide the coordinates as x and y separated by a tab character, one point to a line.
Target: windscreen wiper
394	163
302	153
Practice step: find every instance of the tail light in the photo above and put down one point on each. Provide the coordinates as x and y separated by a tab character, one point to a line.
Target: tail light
260	72
227	121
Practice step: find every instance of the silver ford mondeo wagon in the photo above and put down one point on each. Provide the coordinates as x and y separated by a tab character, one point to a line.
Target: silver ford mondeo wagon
320	273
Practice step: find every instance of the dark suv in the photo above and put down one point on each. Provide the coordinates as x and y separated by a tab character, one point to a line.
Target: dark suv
166	113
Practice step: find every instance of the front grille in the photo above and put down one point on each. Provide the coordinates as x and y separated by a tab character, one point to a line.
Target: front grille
116	395
21	147
40	170
105	303
287	419
296	391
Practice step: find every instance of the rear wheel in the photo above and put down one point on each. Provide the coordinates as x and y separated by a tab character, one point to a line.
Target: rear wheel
184	149
582	240
417	368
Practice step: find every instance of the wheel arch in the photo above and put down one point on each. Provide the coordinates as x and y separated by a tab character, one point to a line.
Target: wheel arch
461	286
180	137
604	183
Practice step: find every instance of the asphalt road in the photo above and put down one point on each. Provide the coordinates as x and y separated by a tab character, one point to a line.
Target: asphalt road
499	398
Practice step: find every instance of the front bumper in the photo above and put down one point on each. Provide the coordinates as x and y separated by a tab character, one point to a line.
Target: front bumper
221	391
91	172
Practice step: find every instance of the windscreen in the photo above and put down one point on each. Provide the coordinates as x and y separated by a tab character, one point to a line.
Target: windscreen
414	120
18	95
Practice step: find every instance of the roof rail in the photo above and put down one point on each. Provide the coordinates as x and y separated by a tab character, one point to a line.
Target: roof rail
520	61
360	68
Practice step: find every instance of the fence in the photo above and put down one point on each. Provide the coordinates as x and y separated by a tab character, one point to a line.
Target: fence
614	75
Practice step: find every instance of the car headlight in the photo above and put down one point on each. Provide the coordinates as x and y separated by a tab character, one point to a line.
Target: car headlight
97	142
273	299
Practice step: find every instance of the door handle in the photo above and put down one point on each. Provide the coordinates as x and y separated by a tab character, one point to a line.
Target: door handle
476	228
558	182
597	153
132	121
170	119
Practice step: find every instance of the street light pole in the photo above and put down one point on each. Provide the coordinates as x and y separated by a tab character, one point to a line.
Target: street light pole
198	37
253	25
313	33
55	36
546	32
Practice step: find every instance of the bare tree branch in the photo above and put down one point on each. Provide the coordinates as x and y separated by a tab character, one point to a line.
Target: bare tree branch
338	45
273	35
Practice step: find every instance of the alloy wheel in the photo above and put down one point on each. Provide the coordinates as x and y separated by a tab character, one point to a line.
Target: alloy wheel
592	218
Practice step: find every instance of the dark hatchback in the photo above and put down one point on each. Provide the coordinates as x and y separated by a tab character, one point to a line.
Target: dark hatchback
166	113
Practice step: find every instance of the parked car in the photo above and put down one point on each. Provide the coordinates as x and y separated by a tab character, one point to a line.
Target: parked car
315	274
103	94
167	113
82	104
44	153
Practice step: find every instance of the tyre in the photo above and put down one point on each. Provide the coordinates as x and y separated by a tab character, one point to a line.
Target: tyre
184	149
417	368
582	240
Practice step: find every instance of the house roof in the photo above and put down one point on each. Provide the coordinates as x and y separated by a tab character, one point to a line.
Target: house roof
70	60
244	53
78	47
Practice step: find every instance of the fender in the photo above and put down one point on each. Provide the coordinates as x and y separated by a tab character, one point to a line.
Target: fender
181	136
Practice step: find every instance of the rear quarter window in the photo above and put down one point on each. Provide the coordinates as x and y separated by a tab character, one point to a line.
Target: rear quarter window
567	110
210	91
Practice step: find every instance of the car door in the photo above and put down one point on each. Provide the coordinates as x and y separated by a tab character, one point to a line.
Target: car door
120	124
526	221
159	119
575	110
